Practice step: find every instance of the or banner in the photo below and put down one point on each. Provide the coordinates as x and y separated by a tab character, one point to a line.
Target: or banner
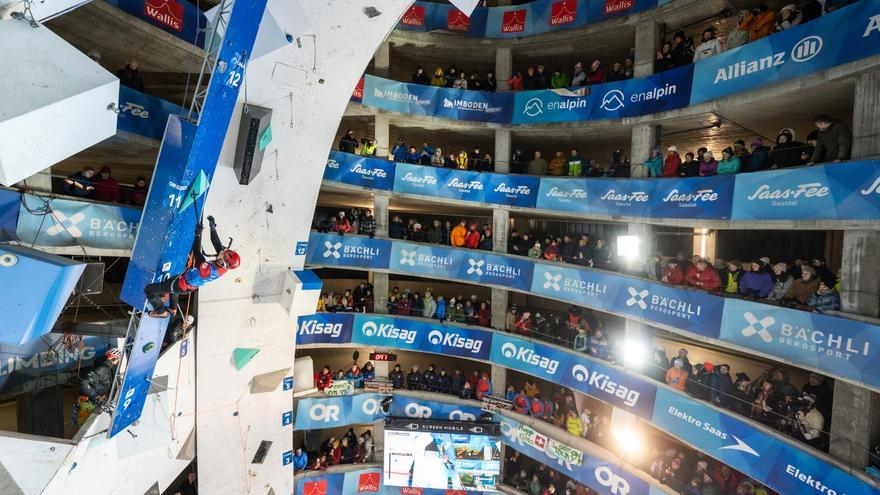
132	394
535	17
758	454
178	17
838	346
143	114
844	191
62	222
404	406
848	34
360	171
419	99
332	412
9	206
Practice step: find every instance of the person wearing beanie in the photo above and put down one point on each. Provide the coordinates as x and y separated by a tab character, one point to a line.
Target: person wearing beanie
654	164
789	17
787	152
782	281
672	162
731	276
708	166
757	159
822	271
689	167
709	46
729	164
802	288
824	299
739	148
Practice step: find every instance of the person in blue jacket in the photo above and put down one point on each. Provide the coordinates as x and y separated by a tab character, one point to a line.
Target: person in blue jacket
399	151
720	386
440	312
300	460
756	283
655	163
824	299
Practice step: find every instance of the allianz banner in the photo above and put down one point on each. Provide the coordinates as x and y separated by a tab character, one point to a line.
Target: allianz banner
360	171
143	114
332	412
633	97
77	223
751	450
536	17
418	99
846	35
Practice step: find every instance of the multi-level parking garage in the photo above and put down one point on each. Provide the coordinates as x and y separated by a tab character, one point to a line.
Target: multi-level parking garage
592	247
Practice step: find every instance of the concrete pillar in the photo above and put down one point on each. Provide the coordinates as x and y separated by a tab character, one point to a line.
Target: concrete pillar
380	213
499	380
644	139
645	233
704	243
378	433
382	59
866	125
503	66
502	150
647	43
855	408
380	292
500	230
381	132
499	308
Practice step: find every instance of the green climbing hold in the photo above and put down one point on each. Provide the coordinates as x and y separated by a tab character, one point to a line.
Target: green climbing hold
196	190
148	347
242	356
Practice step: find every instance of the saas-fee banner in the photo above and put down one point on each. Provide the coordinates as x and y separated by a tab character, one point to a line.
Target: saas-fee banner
143	114
842	191
745	445
838	346
535	17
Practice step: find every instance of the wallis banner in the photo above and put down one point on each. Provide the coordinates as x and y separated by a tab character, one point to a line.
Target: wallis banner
845	348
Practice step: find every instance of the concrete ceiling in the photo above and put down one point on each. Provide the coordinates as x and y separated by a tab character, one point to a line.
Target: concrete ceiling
128	156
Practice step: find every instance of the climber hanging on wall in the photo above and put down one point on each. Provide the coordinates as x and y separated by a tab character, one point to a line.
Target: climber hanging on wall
199	272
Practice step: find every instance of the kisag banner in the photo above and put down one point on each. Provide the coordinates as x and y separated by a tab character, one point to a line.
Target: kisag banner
142	114
178	17
324	328
845	191
77	223
360	171
421	335
629	98
337	250
536	17
332	412
599	474
418	99
834	192
744	447
848	34
839	346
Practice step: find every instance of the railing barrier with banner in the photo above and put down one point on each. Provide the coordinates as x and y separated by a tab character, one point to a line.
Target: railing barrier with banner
740	443
845	35
847	349
845	191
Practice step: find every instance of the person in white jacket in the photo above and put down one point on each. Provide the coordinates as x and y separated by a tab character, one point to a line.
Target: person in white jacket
430	305
709	47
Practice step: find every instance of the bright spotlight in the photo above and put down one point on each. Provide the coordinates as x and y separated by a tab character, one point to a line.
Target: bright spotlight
628	441
628	246
635	353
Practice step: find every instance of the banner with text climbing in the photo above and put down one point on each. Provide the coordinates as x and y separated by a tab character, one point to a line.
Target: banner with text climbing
527	19
845	191
845	35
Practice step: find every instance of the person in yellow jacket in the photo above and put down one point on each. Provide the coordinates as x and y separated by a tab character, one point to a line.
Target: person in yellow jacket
461	161
530	389
439	78
574	424
458	235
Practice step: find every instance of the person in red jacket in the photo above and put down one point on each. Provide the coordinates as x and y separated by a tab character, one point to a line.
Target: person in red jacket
106	187
472	241
484	386
703	276
524	325
323	379
674	273
341	226
672	162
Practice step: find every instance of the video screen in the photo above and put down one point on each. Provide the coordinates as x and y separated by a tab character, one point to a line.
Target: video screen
446	461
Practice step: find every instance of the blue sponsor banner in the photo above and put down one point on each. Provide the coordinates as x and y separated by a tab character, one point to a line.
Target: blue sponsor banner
558	105
631	198
332	412
835	345
563	195
24	368
360	171
418	99
324	328
9	207
511	190
628	392
577	286
178	17
530	357
405	406
143	114
695	198
502	189
837	191
847	34
689	310
77	223
421	335
667	90
138	372
337	250
482	267
425	259
417	179
750	450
